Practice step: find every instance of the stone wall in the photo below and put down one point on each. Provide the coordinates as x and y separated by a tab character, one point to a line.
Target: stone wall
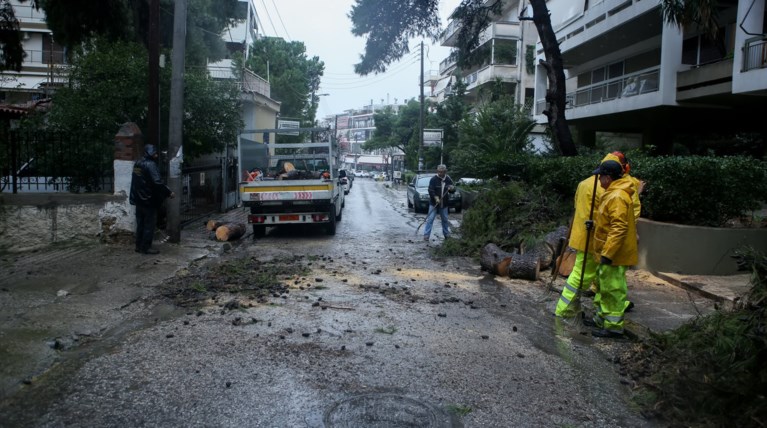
30	221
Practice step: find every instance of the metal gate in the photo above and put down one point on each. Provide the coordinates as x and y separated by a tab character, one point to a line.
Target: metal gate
207	188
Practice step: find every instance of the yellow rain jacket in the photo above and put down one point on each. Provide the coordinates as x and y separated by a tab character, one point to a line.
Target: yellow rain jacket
582	211
634	183
615	225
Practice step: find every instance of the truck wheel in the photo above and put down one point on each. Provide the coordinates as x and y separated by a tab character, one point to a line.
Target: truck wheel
340	214
331	226
259	231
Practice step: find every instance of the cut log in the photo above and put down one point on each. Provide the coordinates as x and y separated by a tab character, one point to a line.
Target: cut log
544	253
494	259
524	266
214	224
552	238
230	231
568	260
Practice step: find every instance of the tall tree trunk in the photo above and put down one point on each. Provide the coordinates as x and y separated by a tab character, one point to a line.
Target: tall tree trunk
555	95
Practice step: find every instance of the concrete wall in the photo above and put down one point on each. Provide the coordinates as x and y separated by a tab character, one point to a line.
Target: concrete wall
34	221
30	221
694	250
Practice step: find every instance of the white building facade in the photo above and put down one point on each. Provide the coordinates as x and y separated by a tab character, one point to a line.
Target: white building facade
630	72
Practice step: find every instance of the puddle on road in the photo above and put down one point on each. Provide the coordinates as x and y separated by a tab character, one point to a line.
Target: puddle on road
384	410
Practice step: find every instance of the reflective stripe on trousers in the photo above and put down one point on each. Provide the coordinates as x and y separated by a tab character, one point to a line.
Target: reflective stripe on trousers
569	302
611	299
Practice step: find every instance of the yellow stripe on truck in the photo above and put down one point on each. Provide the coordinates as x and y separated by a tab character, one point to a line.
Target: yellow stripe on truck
305	188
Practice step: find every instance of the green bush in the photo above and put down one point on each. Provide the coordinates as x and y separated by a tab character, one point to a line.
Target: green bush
701	191
508	214
711	371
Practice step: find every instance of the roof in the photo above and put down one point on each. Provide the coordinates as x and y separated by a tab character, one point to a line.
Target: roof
19	110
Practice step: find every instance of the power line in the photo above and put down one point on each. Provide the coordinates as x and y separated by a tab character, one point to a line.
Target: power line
382	78
283	24
266	11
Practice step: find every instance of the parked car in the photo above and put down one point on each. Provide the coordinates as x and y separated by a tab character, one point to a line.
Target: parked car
346	180
418	194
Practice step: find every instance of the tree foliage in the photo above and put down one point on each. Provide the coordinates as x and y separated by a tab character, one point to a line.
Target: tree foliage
491	137
74	22
293	76
389	26
93	102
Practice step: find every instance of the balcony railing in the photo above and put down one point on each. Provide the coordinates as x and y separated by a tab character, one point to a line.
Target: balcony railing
621	87
507	73
755	54
38	57
250	81
26	13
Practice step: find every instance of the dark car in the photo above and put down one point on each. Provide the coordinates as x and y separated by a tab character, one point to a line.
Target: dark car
418	194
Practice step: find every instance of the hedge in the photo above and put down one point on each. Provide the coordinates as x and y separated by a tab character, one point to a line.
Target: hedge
692	190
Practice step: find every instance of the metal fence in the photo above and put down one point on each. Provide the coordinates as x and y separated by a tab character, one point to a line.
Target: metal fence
43	161
201	191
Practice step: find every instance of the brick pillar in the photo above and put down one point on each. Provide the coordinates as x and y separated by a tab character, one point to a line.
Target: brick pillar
129	142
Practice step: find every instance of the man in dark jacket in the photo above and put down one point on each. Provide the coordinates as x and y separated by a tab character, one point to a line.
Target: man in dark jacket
439	187
147	193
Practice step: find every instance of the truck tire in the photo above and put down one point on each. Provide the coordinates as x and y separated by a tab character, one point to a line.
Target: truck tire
340	214
331	226
259	231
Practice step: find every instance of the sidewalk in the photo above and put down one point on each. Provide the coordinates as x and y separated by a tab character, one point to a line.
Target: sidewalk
665	301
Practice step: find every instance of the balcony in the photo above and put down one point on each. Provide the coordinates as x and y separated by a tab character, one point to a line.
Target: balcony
28	14
506	73
496	30
501	30
250	82
621	87
755	54
36	58
705	80
630	85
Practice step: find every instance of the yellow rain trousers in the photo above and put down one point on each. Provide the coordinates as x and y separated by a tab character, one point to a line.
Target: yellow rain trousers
610	301
569	303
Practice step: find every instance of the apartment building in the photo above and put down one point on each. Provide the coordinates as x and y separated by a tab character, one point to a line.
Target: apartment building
630	72
507	46
43	66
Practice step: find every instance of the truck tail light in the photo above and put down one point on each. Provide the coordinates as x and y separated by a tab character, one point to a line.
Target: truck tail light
256	219
319	217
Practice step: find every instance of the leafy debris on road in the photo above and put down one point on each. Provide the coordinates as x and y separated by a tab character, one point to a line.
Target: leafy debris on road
246	277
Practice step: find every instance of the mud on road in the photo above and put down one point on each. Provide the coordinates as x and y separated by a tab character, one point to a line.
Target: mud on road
365	328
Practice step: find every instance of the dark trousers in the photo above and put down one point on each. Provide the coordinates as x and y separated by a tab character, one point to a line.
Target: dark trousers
146	221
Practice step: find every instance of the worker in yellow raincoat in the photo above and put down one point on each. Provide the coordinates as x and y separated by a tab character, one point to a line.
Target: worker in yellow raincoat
615	246
638	187
568	305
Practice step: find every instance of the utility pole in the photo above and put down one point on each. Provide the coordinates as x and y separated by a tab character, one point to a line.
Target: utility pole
175	123
154	74
420	119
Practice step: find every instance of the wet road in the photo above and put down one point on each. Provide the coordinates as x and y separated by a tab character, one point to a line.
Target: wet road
380	333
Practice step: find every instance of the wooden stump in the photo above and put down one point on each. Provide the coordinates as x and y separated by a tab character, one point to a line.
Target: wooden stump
213	225
552	238
524	266
230	231
568	260
494	259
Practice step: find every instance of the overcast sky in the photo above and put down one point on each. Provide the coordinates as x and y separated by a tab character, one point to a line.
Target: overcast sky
325	29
